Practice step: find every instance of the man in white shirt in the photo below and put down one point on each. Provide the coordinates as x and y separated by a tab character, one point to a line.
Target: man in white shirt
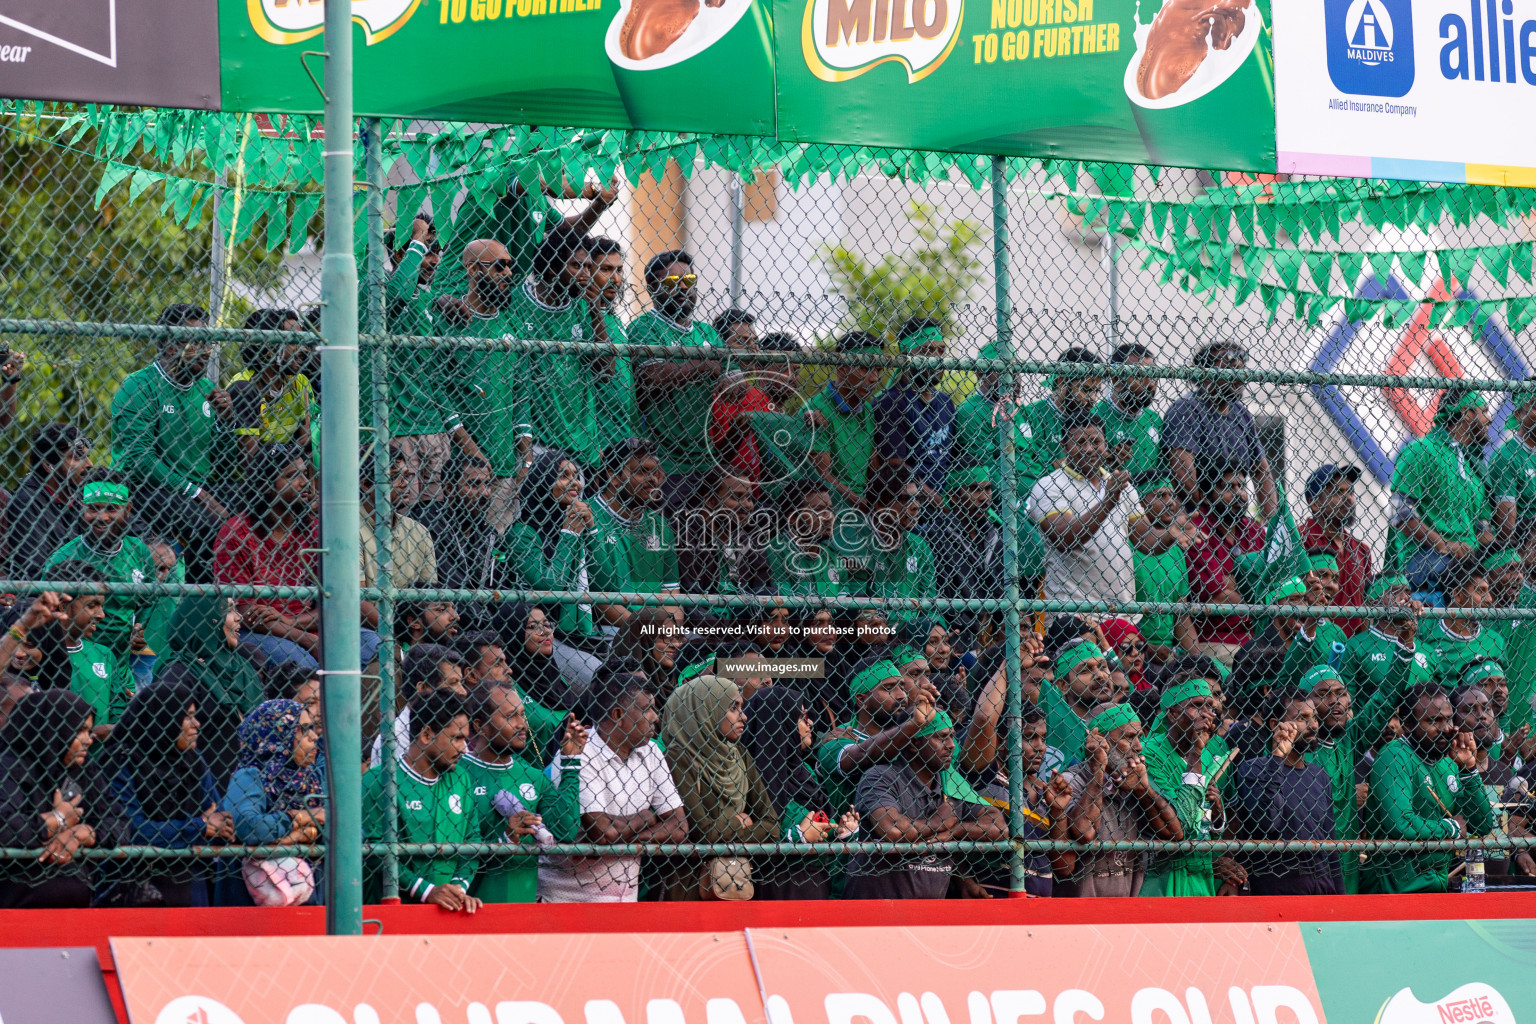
627	795
1090	517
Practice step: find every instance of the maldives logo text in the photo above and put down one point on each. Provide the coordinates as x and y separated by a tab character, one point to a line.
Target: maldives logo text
1370	46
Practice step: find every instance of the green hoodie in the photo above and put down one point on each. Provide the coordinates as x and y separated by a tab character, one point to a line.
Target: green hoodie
197	642
163	433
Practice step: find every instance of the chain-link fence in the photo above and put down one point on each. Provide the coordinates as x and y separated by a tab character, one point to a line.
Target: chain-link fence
748	521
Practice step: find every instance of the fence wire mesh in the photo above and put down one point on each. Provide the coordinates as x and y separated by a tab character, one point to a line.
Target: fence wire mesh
760	525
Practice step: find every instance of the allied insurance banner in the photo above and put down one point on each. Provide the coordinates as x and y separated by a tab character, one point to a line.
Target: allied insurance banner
1413	972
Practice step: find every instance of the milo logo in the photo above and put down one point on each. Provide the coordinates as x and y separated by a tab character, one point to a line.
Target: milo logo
842	39
293	21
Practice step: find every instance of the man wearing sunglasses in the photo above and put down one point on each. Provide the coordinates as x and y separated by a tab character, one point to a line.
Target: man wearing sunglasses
675	395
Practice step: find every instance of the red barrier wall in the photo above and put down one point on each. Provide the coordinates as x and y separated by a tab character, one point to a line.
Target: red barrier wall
95	927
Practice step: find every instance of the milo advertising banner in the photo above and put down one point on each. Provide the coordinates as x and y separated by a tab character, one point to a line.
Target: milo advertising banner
1179	82
676	65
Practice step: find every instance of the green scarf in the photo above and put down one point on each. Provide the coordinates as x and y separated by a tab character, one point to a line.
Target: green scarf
197	641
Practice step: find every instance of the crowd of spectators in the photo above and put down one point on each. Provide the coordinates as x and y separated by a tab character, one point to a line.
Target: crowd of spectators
141	717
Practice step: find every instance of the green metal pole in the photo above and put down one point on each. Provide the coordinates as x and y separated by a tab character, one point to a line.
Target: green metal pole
383	513
1008	502
340	613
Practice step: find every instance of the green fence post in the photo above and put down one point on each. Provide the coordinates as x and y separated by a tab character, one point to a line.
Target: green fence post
383	512
1008	502
340	612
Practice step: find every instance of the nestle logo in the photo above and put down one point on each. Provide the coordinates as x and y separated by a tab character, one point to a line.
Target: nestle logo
1370	46
1466	1011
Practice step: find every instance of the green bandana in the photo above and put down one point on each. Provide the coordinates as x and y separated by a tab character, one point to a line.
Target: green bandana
903	656
1110	719
697	668
1186	690
102	492
1499	559
989	351
1470	400
1075	655
967	477
1292	587
1155	484
1317	675
1480	670
1518	400
941	721
866	350
872	677
1323	560
1381	584
921	338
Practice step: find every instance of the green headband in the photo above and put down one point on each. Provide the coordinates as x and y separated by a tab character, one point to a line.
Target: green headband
103	492
1317	675
696	669
1187	690
872	677
940	722
866	350
1499	559
967	477
1290	588
1381	584
1155	484
1322	560
1470	400
906	655
1110	719
920	339
1480	670
1075	655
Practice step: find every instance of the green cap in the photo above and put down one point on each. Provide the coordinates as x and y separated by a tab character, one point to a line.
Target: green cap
906	655
104	492
1480	670
1499	559
967	477
1518	400
1288	588
872	677
1180	692
1322	560
1470	400
1110	719
938	724
1075	655
921	338
1381	584
1319	674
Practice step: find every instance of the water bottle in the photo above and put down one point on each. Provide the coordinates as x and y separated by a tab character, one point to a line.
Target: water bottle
507	805
1474	879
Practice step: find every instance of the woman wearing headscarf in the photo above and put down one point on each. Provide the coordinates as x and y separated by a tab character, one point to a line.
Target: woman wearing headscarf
1130	648
52	799
274	793
778	739
166	790
205	632
528	633
653	637
546	549
724	796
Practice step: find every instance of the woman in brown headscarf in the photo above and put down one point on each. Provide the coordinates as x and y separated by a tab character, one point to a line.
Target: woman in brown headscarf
722	791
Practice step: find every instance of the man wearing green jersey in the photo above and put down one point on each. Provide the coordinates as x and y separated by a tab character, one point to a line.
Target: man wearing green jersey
106	513
1040	423
1424	785
632	547
1508	589
558	303
516	800
166	420
1370	656
618	417
434	804
1132	429
1457	643
93	669
1180	762
1512	475
518	220
801	561
843	419
878	554
676	395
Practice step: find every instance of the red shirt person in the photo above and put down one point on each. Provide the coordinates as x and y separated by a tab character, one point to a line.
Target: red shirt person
1331	498
1223	518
